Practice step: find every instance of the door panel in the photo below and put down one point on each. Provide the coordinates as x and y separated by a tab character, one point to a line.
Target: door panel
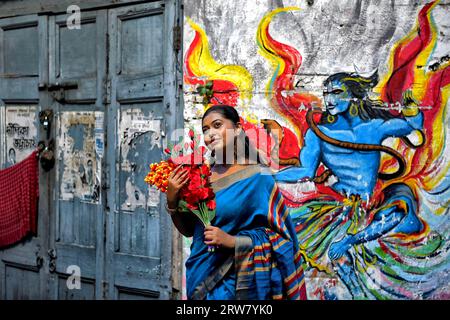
138	220
20	55
138	232
22	282
135	33
77	73
19	58
78	56
21	272
86	291
139	53
79	173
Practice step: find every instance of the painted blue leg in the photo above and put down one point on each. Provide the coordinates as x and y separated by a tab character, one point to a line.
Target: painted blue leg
391	219
385	222
347	274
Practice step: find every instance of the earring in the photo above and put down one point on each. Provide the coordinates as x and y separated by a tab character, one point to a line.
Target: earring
235	147
212	158
354	110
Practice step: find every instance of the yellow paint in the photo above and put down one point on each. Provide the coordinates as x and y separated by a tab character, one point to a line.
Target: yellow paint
203	64
268	51
276	62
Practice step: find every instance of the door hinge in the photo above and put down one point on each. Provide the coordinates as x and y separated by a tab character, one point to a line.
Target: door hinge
105	288
177	38
52	262
106	91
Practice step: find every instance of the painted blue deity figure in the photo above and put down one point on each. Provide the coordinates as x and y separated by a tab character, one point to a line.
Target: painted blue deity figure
348	142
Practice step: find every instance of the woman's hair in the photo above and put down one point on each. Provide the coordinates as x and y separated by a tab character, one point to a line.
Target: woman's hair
359	88
230	113
226	111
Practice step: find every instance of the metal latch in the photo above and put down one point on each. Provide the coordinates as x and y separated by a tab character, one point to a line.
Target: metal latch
177	38
58	89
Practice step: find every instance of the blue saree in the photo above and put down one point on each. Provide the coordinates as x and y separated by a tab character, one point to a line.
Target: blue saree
266	262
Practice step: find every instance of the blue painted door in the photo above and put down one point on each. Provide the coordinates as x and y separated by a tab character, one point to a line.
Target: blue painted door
113	85
142	74
22	267
77	73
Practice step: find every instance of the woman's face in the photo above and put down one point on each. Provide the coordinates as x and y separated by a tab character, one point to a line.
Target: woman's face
219	132
337	97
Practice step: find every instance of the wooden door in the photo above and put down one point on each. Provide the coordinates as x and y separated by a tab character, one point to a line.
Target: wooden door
22	266
77	93
143	100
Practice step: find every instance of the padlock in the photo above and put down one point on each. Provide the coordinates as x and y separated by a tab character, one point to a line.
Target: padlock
45	117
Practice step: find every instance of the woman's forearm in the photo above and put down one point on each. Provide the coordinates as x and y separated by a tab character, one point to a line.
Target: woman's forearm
184	223
181	220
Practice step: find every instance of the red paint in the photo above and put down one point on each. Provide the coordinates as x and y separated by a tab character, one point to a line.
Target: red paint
405	55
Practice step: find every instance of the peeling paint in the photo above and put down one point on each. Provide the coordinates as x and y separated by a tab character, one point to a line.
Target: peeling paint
139	132
78	164
99	134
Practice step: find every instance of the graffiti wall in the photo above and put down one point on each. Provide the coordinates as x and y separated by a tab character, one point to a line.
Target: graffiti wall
359	90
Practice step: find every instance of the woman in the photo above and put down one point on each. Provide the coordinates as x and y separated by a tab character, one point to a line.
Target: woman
256	255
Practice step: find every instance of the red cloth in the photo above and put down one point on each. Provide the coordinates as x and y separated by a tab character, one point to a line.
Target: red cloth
19	191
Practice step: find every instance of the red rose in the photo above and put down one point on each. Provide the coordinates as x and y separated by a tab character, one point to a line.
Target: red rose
192	206
204	170
211	204
195	180
211	194
203	193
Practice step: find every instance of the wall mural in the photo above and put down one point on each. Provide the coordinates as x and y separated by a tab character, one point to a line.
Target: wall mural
363	166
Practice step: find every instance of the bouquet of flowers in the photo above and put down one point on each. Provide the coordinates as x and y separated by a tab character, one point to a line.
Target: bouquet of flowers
197	196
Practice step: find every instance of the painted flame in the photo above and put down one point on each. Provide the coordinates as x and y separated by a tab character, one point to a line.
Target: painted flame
280	90
408	70
200	67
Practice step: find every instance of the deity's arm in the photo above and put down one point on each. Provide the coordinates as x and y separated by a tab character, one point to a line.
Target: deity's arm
399	127
309	161
413	118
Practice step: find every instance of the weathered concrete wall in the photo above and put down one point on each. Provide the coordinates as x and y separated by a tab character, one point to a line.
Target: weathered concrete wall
331	37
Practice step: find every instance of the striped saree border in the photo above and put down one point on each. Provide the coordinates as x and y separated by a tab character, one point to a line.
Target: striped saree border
228	180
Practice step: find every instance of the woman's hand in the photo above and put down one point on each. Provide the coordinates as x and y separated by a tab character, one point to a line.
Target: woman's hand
177	179
214	236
